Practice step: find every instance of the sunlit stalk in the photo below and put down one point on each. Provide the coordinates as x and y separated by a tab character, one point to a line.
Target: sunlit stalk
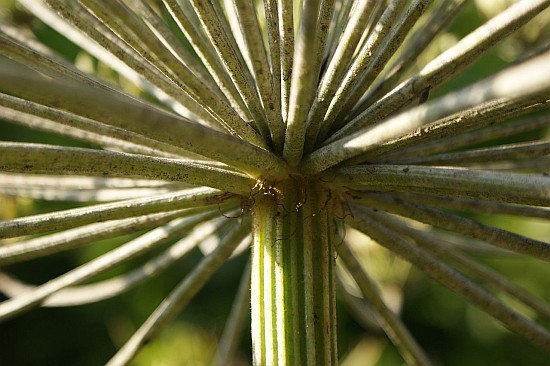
293	289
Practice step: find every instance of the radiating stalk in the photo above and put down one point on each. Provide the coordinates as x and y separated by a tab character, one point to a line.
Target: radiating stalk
251	30
271	10
19	47
182	294
207	55
101	264
382	55
526	150
49	17
44	118
457	137
121	113
392	325
358	308
235	324
75	195
151	50
335	101
48	159
213	26
507	187
476	205
77	237
326	14
363	220
101	290
518	82
337	68
341	18
293	288
304	81
99	32
437	20
431	243
461	225
449	63
66	219
286	32
170	40
135	32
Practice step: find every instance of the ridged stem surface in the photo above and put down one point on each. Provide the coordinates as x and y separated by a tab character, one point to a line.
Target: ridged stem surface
293	288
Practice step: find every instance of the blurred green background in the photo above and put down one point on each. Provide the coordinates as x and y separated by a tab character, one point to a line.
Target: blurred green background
452	331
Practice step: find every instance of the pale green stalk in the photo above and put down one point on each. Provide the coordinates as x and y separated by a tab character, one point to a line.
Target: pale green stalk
36	56
461	182
465	226
364	221
476	205
527	150
179	297
78	195
334	96
205	92
235	324
303	81
135	32
385	51
326	14
100	264
485	114
79	182
85	135
59	188
75	13
271	10
536	165
47	159
177	79
361	311
434	24
172	43
335	70
286	32
223	17
220	39
82	195
48	16
208	56
516	82
82	235
457	139
492	278
448	64
376	17
250	28
232	23
163	128
41	117
97	291
392	325
340	19
20	47
293	276
470	245
65	219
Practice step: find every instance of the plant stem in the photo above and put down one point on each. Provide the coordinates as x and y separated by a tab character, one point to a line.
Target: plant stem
293	288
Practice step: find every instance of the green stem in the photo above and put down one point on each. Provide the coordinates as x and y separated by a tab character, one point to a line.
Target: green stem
293	288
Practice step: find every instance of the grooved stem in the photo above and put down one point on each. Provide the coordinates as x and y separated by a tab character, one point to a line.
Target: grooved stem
293	287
